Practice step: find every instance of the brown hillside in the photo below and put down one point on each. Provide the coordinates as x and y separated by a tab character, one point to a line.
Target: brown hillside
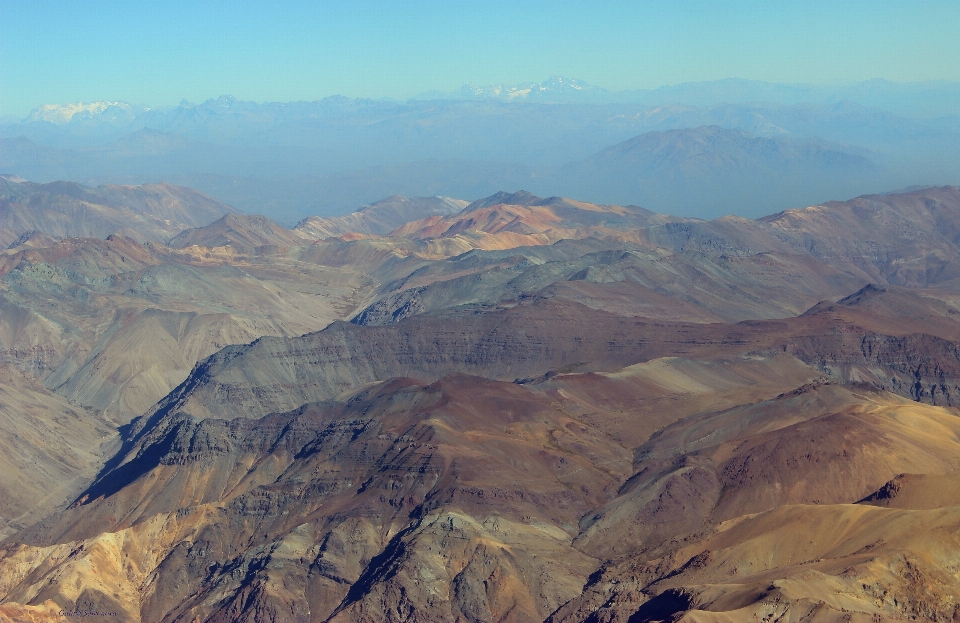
154	212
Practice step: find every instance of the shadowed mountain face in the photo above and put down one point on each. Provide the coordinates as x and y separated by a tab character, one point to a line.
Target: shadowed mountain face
539	410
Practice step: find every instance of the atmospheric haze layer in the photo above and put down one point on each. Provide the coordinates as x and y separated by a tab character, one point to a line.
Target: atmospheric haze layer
701	150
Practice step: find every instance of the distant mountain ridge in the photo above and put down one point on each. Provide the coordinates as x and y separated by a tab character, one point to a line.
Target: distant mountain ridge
927	98
699	171
154	212
60	114
554	89
289	160
923	98
718	169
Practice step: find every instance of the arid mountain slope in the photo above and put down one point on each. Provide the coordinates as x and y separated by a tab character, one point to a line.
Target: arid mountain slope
902	226
905	239
823	445
433	450
287	515
630	418
522	219
526	340
114	325
627	279
154	212
839	562
537	336
379	218
244	233
49	450
462	455
93	332
727	269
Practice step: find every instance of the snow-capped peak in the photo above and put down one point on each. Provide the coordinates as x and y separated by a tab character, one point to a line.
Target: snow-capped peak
556	88
64	113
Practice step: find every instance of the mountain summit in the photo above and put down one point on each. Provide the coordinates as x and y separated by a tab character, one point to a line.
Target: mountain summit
61	114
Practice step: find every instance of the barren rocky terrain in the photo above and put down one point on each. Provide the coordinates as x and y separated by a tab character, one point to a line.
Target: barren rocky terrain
518	409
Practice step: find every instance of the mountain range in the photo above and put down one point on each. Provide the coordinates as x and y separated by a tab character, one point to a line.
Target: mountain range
520	408
918	99
292	160
716	169
924	99
702	170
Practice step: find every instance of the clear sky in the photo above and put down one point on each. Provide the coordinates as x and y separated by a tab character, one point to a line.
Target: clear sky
157	53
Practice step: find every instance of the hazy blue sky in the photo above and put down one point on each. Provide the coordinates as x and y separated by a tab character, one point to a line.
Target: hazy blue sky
159	52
